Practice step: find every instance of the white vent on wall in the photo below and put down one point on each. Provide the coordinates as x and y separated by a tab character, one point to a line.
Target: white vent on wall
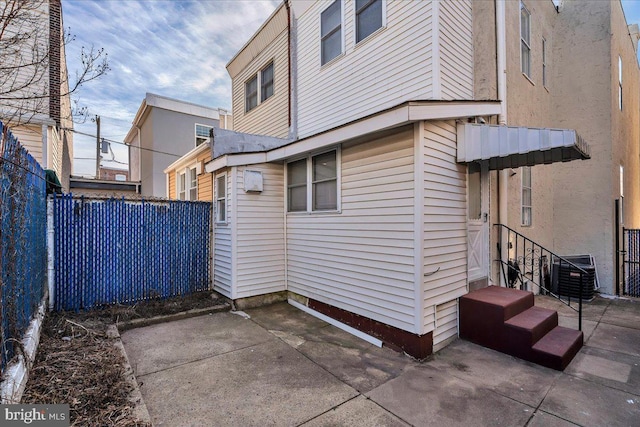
252	181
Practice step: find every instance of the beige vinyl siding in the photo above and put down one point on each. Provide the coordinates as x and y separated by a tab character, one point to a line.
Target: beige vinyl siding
390	67
223	251
362	259
446	324
270	117
205	183
456	49
260	233
445	218
30	137
55	151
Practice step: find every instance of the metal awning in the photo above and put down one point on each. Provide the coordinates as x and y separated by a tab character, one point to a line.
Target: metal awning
511	146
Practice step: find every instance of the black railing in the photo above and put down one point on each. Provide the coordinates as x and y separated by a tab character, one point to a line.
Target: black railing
631	261
530	263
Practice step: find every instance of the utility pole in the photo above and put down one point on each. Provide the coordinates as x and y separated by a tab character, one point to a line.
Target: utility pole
98	148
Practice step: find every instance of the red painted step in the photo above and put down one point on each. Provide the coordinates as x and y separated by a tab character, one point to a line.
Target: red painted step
557	348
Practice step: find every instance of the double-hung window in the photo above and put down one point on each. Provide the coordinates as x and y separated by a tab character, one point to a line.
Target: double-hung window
525	40
312	183
266	82
203	134
182	186
368	18
193	184
544	62
221	198
526	196
251	94
331	32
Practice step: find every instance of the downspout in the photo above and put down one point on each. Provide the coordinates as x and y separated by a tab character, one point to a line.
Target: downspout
501	55
286	4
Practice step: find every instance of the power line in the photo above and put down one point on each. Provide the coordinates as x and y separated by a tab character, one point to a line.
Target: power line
128	145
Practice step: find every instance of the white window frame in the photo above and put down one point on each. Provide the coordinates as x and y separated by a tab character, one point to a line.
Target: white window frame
192	184
258	76
355	22
341	29
524	43
218	198
544	62
309	184
523	222
620	82
196	134
181	185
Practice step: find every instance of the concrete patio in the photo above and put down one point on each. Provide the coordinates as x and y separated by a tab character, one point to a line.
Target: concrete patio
282	366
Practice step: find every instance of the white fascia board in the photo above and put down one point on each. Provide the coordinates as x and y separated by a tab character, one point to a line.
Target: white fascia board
185	107
187	158
230	160
136	121
216	164
407	113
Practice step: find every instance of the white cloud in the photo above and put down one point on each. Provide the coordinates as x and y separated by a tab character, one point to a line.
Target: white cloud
174	48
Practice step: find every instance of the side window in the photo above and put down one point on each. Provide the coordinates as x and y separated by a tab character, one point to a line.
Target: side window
221	198
182	186
368	18
525	40
331	32
312	183
544	62
297	186
266	82
324	181
193	184
203	134
251	94
620	82
526	196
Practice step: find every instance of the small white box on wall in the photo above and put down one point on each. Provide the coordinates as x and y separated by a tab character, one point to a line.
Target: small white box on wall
252	181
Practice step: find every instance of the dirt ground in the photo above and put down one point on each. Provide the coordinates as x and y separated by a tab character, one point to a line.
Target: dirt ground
78	364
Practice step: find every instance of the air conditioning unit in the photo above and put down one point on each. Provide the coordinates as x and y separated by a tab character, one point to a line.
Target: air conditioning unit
565	280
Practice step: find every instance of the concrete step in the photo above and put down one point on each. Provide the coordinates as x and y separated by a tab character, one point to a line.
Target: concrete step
557	348
527	328
483	313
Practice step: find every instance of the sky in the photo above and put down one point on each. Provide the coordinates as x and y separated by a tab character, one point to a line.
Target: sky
176	48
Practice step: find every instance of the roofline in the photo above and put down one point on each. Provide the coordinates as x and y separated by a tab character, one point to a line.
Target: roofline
266	21
187	157
394	117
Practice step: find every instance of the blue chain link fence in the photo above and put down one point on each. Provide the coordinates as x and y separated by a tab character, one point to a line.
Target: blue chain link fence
23	244
122	251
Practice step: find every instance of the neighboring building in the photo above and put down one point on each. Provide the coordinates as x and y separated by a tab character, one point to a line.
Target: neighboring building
375	208
112	174
186	179
164	130
40	112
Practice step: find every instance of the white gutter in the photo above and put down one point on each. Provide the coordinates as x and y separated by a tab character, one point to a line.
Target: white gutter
503	177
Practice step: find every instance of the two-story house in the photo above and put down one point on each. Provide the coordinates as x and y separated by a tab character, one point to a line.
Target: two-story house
163	130
34	87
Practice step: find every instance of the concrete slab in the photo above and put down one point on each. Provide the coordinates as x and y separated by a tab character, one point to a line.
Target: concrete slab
590	404
517	379
267	384
590	310
624	313
588	326
616	338
609	368
286	318
542	419
358	412
423	395
183	341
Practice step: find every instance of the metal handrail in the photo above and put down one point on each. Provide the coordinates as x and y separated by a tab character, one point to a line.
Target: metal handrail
532	252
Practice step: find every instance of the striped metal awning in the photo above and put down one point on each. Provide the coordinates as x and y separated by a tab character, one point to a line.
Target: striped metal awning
511	146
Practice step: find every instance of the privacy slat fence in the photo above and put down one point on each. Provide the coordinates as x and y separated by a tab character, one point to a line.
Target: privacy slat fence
120	251
23	256
631	262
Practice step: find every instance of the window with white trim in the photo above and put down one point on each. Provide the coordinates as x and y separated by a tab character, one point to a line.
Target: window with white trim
368	18
221	198
312	183
259	87
331	32
203	134
620	82
193	184
526	196
182	186
525	40
544	62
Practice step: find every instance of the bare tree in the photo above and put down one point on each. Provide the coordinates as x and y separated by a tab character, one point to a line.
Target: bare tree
33	74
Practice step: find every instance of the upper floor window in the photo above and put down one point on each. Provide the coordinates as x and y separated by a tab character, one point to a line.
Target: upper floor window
525	40
544	62
266	82
620	82
203	134
251	94
312	183
259	87
331	32
221	198
368	18
526	196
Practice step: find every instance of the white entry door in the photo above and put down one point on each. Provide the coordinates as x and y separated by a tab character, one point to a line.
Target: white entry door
477	221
